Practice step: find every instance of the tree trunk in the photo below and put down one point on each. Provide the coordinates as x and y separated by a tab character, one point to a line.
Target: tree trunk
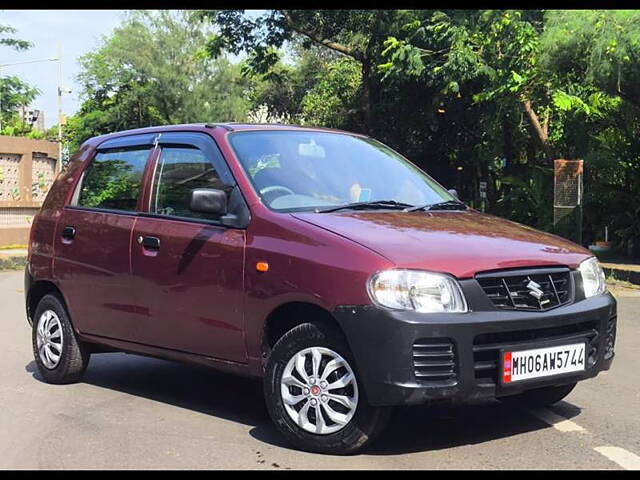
370	87
366	95
540	129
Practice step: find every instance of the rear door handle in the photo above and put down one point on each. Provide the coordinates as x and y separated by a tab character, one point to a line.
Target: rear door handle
68	232
150	243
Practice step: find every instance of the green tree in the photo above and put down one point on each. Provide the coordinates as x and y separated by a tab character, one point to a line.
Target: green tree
355	34
8	40
598	47
148	72
486	54
600	52
14	92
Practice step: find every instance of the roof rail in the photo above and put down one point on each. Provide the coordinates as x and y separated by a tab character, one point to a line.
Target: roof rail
214	125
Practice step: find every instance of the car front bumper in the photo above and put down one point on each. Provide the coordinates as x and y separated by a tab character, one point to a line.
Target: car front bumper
385	343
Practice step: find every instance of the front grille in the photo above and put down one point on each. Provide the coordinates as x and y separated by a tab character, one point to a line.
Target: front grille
535	289
487	346
434	360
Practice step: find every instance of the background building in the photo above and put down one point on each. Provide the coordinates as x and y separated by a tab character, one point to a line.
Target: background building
32	117
27	170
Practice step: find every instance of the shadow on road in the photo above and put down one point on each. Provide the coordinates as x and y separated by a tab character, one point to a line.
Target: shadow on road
411	429
417	429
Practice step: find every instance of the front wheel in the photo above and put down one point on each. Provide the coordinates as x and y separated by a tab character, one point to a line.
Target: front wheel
313	394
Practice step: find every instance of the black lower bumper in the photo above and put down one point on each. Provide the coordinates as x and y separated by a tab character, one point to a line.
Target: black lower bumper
387	347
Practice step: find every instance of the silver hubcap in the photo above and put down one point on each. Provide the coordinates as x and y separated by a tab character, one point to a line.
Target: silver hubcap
319	390
49	339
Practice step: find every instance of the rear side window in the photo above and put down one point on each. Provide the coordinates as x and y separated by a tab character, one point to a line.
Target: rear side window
180	170
113	180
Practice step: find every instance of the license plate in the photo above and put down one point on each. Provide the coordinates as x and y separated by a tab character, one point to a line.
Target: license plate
542	362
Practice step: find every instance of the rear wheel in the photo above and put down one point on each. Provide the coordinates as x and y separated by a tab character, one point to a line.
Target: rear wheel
60	357
313	394
539	397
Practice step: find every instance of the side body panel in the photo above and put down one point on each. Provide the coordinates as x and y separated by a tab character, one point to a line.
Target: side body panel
189	292
93	268
305	265
93	271
43	228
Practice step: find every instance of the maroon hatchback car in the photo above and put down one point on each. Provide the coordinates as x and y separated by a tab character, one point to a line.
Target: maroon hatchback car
320	260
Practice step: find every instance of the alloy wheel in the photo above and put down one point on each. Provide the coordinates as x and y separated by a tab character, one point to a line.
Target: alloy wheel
319	390
49	339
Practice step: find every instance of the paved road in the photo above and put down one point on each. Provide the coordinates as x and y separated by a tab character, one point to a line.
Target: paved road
134	412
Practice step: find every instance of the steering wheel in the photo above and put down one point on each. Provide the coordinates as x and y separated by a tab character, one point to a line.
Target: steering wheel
268	192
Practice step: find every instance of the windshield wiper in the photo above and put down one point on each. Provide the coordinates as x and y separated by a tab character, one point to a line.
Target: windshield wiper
448	205
377	204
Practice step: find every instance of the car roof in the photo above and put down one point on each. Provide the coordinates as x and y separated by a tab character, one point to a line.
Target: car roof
230	126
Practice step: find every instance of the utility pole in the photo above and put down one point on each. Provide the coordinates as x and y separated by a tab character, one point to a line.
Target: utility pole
61	119
59	164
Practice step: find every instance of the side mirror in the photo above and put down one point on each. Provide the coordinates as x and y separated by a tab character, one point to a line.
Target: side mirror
208	200
453	192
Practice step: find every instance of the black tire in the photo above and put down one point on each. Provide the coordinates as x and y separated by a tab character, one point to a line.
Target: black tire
74	356
539	397
365	425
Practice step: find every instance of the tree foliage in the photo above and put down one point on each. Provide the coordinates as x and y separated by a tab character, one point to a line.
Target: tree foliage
468	95
14	92
148	72
600	47
8	40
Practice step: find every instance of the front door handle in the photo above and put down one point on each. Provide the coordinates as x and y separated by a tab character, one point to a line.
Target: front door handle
68	232
150	243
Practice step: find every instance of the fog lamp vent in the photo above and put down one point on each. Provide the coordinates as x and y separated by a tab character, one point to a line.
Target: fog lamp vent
610	339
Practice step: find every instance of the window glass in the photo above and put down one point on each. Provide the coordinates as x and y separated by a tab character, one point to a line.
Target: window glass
113	179
300	170
179	171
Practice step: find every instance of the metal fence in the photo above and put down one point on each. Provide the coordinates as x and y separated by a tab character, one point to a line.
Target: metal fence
567	199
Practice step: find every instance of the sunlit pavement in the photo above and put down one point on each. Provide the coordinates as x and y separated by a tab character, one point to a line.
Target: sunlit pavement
135	412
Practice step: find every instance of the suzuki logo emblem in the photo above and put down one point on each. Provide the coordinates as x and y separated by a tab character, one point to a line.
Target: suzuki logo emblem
534	289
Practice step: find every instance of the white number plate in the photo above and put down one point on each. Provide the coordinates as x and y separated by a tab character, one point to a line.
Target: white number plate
542	362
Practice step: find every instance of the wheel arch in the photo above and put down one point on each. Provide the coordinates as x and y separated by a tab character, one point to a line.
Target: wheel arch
37	291
291	314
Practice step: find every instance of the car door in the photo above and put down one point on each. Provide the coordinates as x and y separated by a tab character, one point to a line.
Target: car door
188	267
92	264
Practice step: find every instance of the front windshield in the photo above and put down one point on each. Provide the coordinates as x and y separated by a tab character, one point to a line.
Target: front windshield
299	170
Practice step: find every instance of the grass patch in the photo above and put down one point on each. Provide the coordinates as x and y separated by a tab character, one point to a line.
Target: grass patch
612	281
13	263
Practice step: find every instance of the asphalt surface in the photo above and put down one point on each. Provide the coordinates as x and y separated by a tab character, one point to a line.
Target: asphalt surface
135	412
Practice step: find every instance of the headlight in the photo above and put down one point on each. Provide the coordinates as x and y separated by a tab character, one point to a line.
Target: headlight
593	281
416	290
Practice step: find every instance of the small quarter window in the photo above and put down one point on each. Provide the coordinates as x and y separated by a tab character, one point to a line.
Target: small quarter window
113	179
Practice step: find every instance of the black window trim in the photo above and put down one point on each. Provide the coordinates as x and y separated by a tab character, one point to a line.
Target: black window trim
127	141
155	141
176	218
211	151
205	144
131	213
131	142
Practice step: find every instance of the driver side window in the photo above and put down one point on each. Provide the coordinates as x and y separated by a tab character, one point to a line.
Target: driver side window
180	170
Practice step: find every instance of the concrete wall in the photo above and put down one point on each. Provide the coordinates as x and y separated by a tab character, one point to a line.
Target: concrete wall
27	170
